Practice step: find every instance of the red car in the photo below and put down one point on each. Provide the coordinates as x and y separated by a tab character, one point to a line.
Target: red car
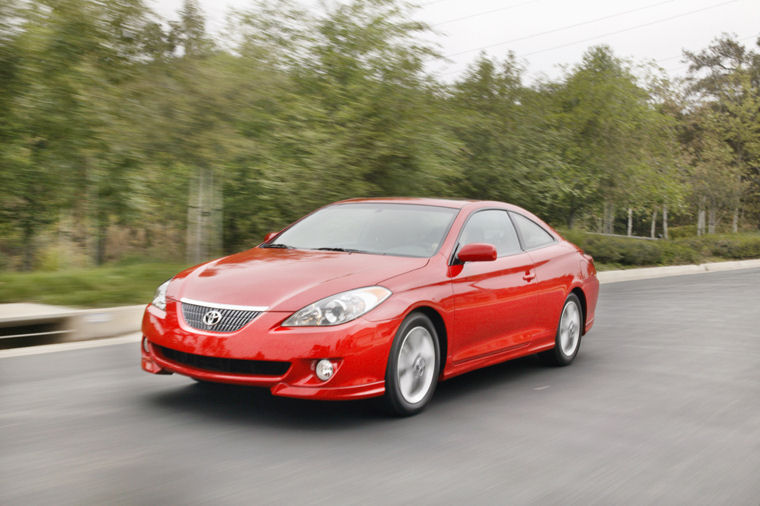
372	297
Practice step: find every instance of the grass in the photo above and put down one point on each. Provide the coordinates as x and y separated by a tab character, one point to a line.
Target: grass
111	285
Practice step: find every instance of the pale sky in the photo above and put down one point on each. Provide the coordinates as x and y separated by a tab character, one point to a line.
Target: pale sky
545	34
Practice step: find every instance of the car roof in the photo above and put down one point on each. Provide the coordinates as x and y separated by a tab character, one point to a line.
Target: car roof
454	203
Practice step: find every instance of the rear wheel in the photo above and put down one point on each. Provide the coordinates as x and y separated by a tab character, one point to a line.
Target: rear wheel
413	366
567	341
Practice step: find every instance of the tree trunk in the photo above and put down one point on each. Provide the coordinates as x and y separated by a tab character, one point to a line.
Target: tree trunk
571	218
654	223
665	222
711	221
735	222
630	222
101	234
204	217
611	222
28	246
609	217
217	218
701	218
194	218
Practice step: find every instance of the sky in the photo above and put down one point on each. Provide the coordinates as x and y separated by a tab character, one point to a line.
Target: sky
547	34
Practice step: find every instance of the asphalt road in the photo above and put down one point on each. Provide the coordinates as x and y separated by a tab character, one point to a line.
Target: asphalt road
662	406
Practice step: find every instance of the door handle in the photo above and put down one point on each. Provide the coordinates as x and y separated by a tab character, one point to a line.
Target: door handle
529	275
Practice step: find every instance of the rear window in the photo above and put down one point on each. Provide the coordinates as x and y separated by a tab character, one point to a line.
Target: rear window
533	234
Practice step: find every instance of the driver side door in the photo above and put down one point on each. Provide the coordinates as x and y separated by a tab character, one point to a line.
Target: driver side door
494	301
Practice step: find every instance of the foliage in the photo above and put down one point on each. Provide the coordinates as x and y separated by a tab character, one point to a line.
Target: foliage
112	118
734	246
625	251
724	129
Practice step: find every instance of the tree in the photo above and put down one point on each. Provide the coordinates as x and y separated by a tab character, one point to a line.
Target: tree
50	124
725	87
486	118
608	125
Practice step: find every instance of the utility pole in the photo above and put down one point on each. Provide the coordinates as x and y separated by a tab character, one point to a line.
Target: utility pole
204	217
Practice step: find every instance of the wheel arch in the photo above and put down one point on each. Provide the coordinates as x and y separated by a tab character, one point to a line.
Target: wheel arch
440	328
584	307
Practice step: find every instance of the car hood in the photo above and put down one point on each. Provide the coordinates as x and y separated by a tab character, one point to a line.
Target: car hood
285	280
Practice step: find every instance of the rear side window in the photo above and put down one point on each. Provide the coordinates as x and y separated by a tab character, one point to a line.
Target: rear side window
533	235
491	227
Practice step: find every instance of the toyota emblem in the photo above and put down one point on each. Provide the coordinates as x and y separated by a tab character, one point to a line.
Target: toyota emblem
212	317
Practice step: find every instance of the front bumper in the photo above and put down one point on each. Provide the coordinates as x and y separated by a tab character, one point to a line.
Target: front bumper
358	349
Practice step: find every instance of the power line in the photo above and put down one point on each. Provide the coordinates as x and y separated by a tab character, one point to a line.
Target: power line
567	27
687	64
661	20
431	3
469	16
669	69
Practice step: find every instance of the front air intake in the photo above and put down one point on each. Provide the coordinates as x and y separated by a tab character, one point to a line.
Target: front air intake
225	365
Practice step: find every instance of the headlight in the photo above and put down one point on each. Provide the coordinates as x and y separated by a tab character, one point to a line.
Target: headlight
339	308
159	299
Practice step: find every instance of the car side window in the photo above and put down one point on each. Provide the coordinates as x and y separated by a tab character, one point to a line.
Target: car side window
533	235
491	227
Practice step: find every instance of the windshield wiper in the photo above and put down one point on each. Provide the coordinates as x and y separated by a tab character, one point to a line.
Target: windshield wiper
345	250
278	246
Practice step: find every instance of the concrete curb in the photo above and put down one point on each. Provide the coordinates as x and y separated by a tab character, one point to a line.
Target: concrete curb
41	323
106	322
674	270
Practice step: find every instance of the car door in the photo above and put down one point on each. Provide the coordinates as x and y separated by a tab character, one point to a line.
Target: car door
494	300
554	264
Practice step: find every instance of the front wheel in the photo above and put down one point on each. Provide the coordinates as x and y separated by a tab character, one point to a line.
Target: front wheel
413	366
567	341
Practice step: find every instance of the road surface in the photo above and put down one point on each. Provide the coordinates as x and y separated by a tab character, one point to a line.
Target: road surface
662	406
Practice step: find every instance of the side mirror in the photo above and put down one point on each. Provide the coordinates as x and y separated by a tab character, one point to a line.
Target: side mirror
270	236
477	252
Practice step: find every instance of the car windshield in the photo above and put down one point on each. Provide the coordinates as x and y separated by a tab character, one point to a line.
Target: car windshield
378	228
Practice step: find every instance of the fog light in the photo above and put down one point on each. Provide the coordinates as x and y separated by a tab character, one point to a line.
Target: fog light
325	369
146	348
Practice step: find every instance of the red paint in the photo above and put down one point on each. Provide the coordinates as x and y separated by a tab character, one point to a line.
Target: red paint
476	252
492	310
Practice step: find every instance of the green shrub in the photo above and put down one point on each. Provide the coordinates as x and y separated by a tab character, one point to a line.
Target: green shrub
682	231
640	252
625	251
675	253
616	250
57	258
734	246
604	249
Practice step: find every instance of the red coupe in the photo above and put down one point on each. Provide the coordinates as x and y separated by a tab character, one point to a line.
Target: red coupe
372	297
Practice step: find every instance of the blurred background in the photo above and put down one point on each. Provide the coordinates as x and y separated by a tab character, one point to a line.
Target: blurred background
137	138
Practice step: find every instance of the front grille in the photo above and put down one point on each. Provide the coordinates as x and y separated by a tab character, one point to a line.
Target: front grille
231	319
228	365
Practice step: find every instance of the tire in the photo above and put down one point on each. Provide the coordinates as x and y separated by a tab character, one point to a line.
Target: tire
567	341
413	366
